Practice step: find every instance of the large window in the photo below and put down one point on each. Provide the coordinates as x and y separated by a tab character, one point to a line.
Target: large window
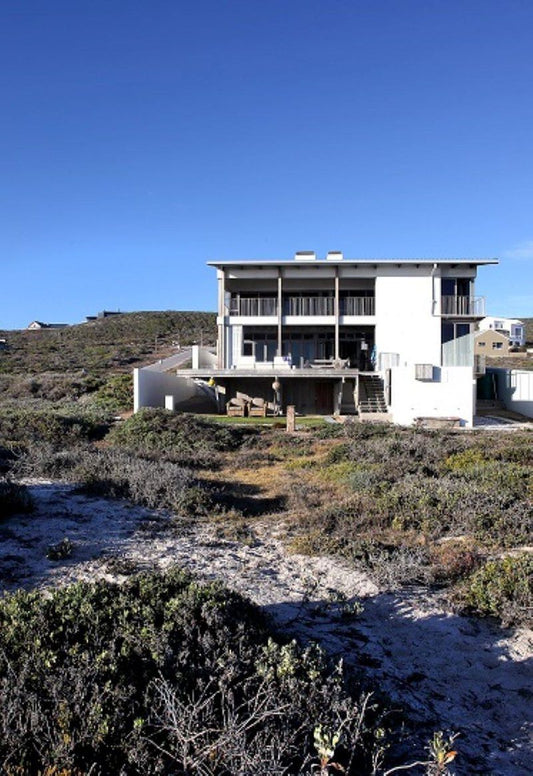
452	331
456	286
261	344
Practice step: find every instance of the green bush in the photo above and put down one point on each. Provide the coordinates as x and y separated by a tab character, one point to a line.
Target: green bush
163	676
59	428
503	589
14	499
116	394
177	437
118	474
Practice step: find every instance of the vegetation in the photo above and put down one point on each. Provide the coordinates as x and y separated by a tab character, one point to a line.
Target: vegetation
501	588
23	428
178	437
164	676
14	499
115	343
118	474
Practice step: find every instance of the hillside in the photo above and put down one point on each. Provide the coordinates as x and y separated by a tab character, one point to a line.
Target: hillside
116	343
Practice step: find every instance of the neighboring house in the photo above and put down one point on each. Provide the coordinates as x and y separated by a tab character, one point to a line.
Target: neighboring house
389	338
35	325
491	343
102	314
512	328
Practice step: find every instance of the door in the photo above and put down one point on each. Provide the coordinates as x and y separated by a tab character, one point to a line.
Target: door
324	397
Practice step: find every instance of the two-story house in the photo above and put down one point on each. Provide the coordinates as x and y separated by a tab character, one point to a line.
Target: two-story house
378	337
511	328
326	329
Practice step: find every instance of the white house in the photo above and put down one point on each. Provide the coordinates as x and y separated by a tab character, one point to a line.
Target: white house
381	337
512	328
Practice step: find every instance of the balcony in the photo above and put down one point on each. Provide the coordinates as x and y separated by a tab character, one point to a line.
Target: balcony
254	306
463	306
302	306
357	305
309	305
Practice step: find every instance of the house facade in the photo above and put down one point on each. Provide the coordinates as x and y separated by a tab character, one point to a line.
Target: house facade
383	339
491	343
393	337
512	328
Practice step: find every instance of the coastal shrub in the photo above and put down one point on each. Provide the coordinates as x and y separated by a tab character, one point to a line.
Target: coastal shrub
118	474
22	426
48	386
179	437
14	499
162	675
116	394
501	588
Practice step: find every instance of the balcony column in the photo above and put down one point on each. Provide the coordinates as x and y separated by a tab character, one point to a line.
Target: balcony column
280	311
337	314
221	339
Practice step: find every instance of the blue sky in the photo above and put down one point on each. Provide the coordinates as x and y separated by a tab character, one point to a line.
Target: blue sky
141	139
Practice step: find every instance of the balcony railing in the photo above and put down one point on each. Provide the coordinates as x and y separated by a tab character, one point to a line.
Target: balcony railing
262	306
302	306
357	305
309	305
463	306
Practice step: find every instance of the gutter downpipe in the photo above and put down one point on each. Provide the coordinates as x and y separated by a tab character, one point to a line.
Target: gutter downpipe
433	295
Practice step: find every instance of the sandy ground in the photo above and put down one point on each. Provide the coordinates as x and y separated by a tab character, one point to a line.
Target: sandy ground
451	673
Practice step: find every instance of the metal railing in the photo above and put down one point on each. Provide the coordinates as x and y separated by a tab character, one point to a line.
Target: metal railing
302	305
309	305
467	306
259	306
357	305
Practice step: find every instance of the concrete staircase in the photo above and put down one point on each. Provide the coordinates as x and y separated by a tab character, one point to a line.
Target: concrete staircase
372	404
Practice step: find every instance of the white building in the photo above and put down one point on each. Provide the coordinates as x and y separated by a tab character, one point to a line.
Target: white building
512	328
388	338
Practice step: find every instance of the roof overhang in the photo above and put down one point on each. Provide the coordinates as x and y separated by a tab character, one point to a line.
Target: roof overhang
270	263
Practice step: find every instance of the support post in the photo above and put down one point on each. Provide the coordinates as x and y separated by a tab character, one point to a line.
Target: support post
337	315
291	423
280	312
221	339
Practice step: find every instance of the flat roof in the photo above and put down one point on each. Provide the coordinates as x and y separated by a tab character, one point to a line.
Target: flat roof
340	262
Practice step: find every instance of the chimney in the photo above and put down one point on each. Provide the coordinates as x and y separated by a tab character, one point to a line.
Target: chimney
305	256
334	256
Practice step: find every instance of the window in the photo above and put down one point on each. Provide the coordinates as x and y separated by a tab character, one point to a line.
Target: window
497	345
247	348
481	344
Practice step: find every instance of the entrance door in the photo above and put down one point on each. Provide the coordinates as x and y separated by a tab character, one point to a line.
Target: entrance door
324	397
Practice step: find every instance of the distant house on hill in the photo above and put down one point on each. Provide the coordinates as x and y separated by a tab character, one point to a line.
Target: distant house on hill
102	314
512	328
491	343
36	325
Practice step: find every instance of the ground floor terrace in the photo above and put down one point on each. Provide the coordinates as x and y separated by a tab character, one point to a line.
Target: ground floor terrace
311	390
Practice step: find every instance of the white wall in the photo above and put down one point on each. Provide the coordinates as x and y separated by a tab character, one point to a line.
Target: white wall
515	389
450	394
203	358
405	323
150	389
